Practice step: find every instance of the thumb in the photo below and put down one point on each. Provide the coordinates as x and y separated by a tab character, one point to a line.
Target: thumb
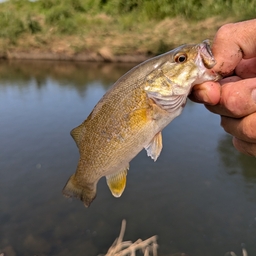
207	93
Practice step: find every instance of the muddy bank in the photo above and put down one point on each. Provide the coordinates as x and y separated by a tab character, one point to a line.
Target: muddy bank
109	44
89	57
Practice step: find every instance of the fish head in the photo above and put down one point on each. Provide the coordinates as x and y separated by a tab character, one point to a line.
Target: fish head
177	71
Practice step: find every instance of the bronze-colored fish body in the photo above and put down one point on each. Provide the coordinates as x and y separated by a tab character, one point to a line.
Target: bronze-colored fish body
131	116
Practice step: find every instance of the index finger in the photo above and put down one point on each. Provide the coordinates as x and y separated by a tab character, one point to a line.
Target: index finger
233	42
238	98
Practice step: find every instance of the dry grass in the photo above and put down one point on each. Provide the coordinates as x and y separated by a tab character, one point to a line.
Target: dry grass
148	39
147	247
123	248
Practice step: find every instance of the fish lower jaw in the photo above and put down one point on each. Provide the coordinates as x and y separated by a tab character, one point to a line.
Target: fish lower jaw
208	75
204	74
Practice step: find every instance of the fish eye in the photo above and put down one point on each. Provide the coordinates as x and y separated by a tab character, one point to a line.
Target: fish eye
180	58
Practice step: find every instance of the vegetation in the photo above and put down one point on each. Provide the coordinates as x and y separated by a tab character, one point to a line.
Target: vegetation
124	26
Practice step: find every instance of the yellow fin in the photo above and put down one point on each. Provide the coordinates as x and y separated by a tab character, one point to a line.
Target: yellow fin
116	182
76	132
155	146
85	193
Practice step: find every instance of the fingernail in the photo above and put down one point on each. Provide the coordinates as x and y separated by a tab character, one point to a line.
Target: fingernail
201	96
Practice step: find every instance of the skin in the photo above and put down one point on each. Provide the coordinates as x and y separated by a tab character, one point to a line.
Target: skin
234	97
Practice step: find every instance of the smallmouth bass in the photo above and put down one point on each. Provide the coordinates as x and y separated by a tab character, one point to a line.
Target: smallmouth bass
131	116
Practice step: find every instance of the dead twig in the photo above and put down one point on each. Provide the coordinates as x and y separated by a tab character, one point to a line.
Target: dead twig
123	248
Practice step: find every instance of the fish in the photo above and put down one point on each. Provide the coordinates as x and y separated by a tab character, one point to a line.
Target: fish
131	116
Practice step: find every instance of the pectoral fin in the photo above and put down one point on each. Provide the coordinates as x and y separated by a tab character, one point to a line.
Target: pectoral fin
155	146
116	182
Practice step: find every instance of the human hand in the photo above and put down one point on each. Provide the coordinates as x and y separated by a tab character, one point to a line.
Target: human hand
234	98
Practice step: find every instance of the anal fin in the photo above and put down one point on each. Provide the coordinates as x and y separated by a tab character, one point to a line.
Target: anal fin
117	182
155	146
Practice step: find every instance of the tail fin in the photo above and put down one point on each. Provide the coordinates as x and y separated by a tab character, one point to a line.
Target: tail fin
85	193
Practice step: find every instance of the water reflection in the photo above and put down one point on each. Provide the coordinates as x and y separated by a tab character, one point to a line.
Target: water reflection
235	162
77	75
199	197
239	168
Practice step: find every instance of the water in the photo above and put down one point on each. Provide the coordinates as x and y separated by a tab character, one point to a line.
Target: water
199	197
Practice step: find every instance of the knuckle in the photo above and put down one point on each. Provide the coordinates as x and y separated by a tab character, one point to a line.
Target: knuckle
244	147
225	29
235	101
231	104
247	129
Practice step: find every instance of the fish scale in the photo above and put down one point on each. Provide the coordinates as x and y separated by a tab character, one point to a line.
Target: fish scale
131	116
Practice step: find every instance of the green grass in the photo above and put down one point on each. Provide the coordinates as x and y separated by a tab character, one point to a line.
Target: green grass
52	18
65	14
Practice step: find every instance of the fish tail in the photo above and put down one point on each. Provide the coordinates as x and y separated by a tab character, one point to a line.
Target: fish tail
85	193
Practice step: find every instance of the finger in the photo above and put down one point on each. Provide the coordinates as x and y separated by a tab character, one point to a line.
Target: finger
233	42
229	79
207	93
246	68
238	99
242	129
245	147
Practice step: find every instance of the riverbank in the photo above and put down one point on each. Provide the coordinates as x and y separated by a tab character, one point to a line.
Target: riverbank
110	30
135	45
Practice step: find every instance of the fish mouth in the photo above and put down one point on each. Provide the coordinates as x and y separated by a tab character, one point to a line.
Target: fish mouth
208	58
206	54
206	61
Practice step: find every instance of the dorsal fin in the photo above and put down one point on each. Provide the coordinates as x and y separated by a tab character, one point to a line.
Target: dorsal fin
117	181
76	132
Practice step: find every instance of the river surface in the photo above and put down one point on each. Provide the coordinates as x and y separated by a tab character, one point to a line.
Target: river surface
199	197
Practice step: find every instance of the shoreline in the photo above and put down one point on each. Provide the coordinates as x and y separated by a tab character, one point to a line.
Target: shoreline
83	57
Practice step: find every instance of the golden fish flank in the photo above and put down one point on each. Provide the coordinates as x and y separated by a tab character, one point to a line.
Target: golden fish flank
131	116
